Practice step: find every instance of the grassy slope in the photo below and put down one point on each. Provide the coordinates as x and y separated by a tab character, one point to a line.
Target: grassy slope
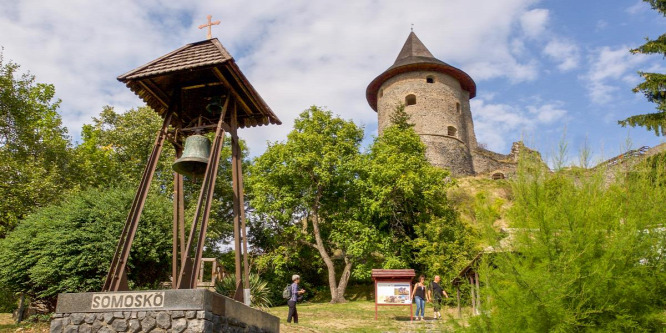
7	324
359	316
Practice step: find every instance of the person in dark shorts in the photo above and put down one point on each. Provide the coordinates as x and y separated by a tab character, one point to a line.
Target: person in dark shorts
295	297
435	293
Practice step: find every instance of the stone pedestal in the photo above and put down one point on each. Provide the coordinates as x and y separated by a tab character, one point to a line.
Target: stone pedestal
192	310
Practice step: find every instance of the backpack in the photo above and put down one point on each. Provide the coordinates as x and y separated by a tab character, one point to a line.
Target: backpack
286	293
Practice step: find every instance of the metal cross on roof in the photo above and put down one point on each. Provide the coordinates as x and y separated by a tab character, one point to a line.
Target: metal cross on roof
209	25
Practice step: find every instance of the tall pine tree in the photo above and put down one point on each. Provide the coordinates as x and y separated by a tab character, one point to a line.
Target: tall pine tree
654	86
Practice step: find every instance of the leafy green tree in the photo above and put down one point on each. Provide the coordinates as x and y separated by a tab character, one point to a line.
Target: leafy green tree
585	255
116	146
654	86
34	147
400	118
304	190
405	197
68	247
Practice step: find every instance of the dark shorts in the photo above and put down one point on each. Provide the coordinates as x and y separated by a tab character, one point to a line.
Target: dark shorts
436	304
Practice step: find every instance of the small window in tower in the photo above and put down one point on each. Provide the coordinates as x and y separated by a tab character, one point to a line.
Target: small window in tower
430	79
410	99
458	107
498	176
451	131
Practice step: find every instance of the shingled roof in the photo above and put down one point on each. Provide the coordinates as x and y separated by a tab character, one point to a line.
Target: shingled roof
204	53
415	56
205	67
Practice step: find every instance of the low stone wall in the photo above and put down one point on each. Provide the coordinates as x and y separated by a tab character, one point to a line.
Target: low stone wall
175	311
148	321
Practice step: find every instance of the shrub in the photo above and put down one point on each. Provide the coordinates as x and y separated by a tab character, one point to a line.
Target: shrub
585	255
68	247
259	292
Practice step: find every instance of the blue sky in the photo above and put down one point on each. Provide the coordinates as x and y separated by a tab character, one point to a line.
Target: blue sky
540	66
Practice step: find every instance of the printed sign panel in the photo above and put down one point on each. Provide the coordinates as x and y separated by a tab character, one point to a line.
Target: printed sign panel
152	299
393	293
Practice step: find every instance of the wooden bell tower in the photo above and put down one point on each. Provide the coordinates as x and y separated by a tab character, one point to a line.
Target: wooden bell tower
196	89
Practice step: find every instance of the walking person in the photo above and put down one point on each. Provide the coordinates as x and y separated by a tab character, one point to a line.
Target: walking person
435	293
295	297
419	296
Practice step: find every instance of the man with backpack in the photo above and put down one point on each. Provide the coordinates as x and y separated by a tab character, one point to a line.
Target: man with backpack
292	294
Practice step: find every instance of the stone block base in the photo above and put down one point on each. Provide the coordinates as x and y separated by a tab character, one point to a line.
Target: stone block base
176	311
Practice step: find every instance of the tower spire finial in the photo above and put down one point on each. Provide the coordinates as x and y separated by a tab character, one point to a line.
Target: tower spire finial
412	27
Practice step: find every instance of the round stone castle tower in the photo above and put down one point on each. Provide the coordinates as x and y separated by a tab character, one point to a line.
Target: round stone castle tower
436	96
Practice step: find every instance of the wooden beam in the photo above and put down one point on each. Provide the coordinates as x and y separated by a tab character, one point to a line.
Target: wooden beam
237	98
478	292
458	300
247	93
197	86
472	294
156	94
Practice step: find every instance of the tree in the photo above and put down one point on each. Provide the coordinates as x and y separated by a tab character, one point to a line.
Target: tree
304	191
654	86
34	147
116	146
400	118
67	247
405	197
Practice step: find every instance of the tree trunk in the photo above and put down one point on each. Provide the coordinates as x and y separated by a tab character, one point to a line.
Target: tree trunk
337	289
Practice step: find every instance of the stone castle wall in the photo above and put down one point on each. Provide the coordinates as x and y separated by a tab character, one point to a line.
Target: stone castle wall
439	105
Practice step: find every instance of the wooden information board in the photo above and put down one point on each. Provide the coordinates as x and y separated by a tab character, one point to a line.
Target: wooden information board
393	288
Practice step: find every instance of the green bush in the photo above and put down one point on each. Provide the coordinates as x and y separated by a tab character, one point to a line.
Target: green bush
587	254
259	292
68	247
8	300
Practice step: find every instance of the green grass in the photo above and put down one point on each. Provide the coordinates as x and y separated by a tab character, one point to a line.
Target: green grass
356	316
7	324
359	316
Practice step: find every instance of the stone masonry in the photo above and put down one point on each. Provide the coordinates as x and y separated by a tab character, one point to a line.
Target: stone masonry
148	321
436	96
173	311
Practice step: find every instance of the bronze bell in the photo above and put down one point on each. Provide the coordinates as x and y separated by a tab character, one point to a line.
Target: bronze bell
194	160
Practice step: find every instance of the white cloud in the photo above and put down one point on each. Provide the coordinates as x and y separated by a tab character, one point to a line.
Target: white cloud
638	7
564	52
601	25
608	69
296	53
533	22
497	124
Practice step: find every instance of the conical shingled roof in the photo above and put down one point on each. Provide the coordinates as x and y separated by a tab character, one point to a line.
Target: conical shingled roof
414	51
415	56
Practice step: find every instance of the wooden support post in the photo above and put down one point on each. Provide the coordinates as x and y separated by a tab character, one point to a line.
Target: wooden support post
189	275
239	204
471	283
478	293
375	281
458	300
116	279
177	221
